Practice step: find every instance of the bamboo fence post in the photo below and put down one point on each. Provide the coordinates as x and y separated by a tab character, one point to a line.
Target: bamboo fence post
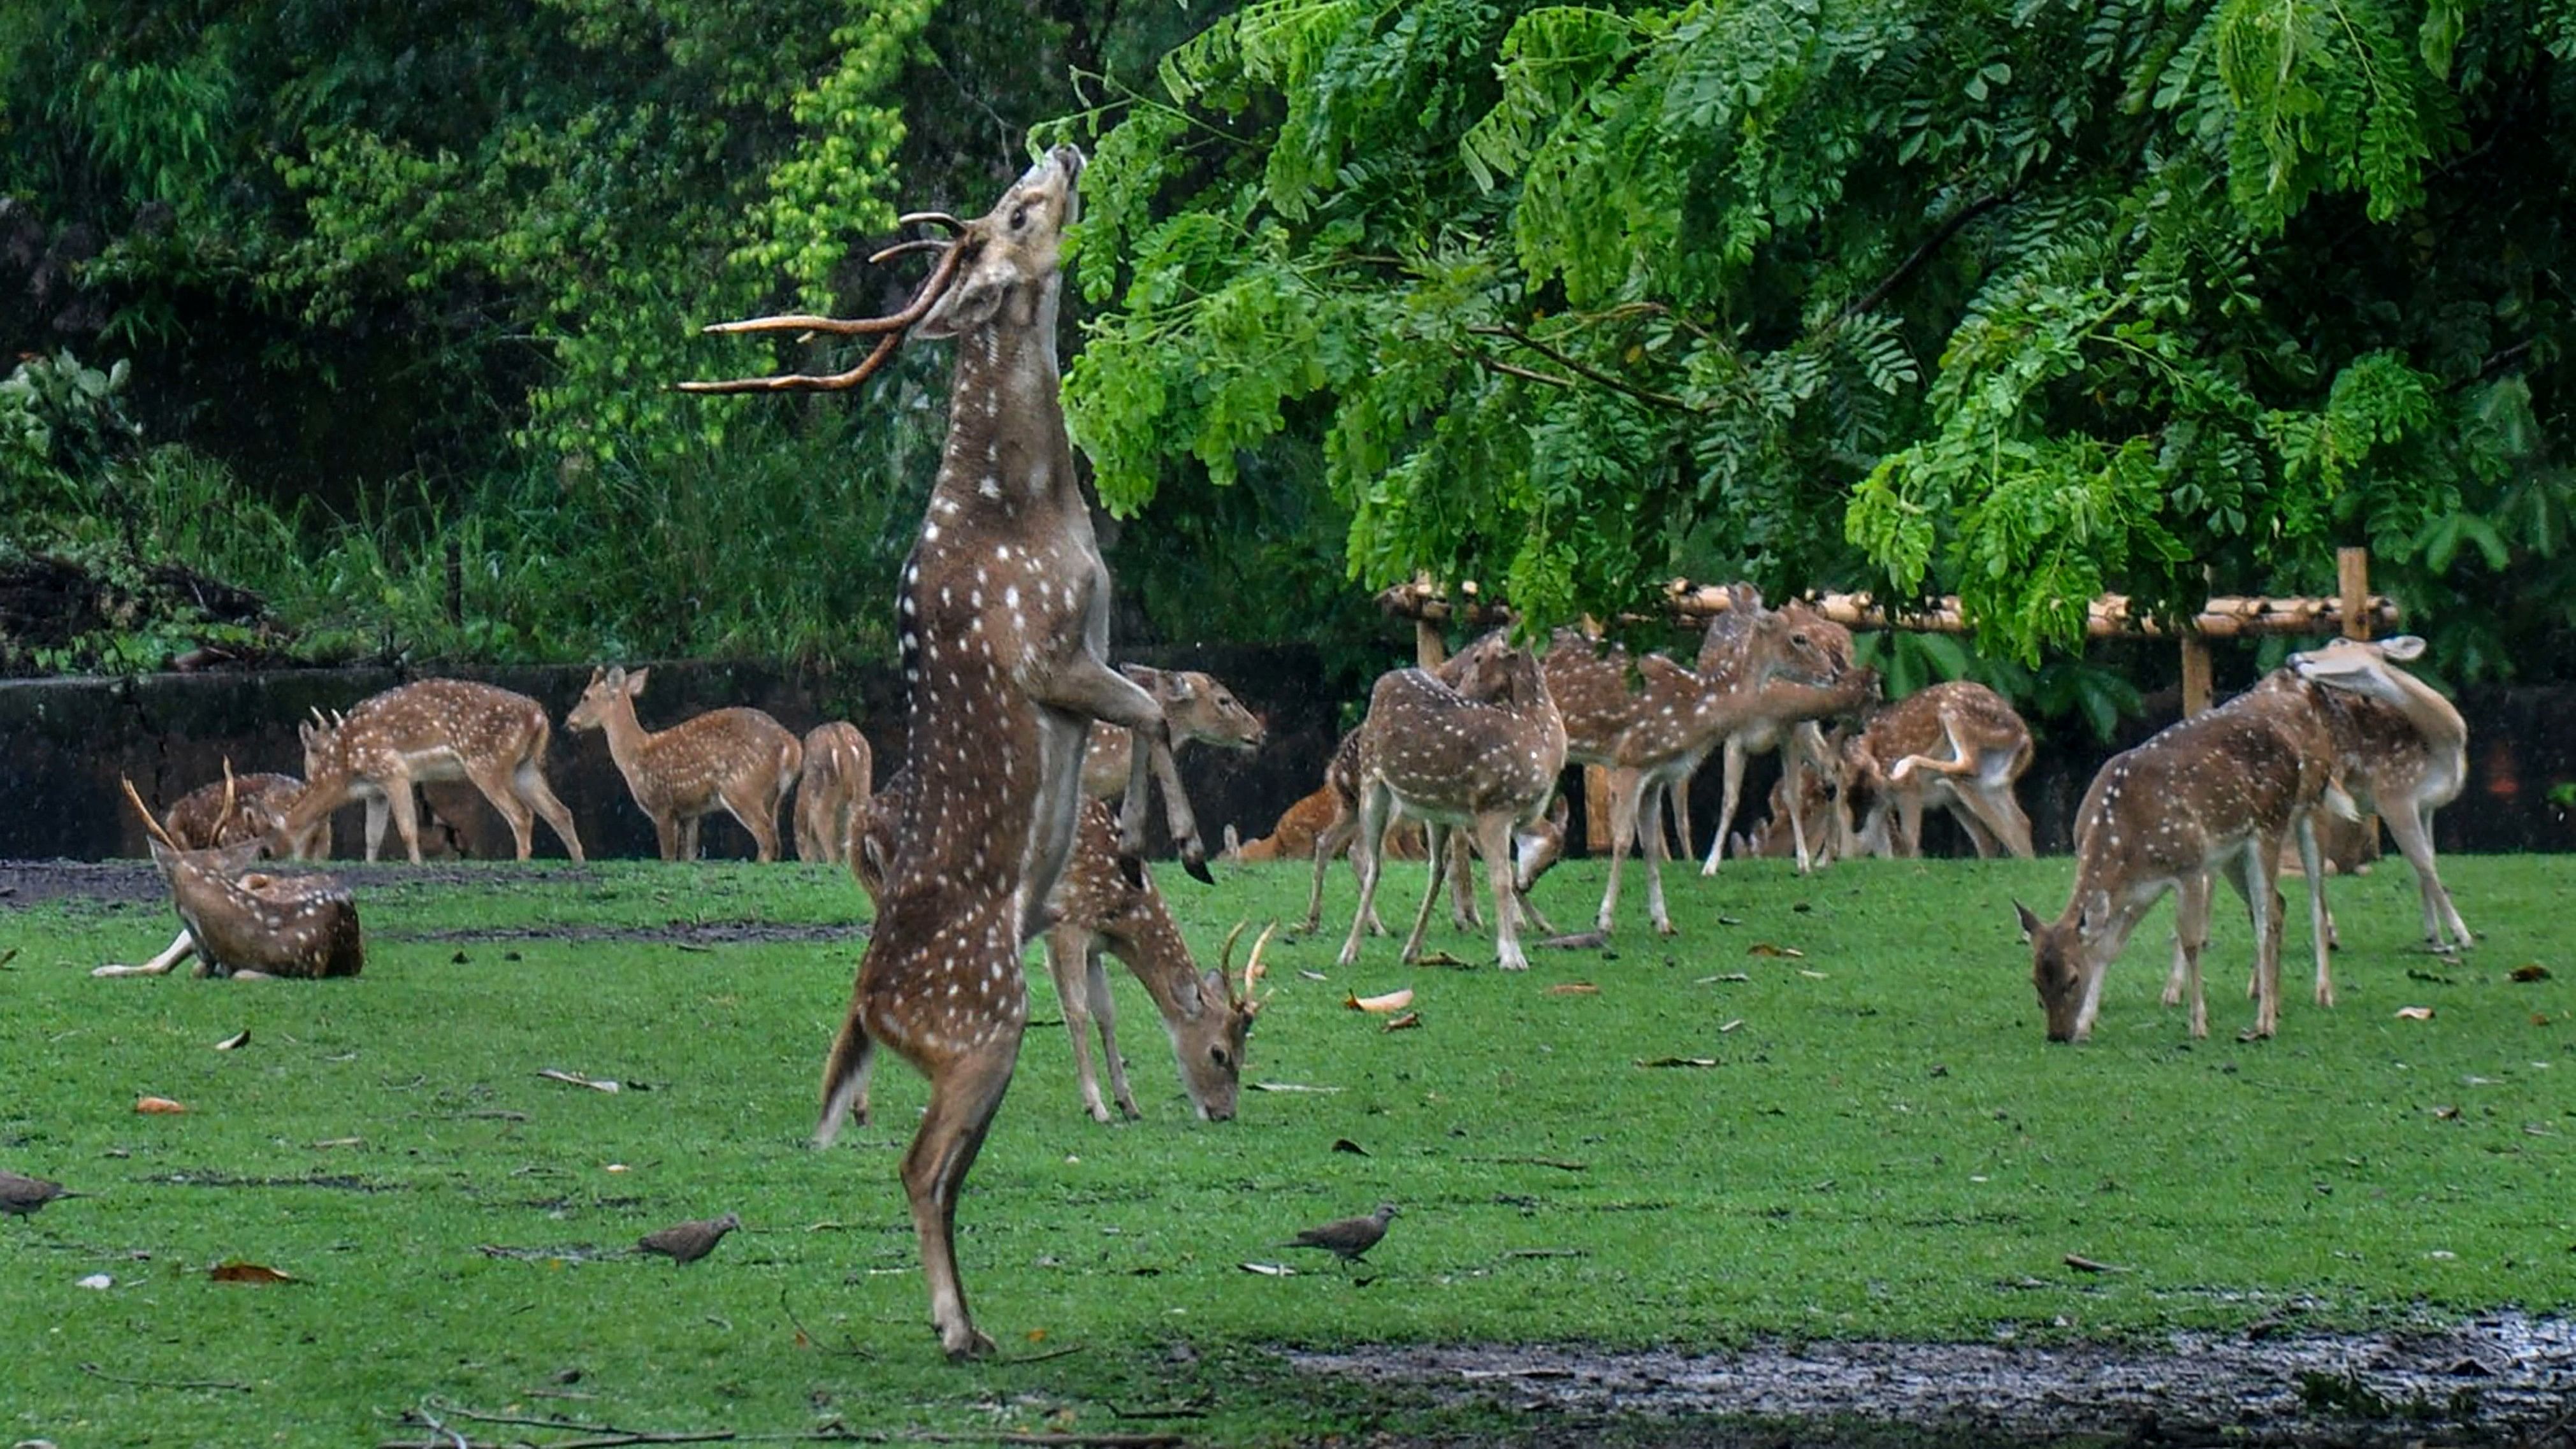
2352	581
2195	674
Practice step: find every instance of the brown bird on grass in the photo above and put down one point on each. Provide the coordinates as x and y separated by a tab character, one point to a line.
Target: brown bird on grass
20	1196
1350	1238
688	1242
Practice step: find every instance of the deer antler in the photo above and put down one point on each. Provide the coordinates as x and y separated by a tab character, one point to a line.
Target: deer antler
1253	969
225	815
150	822
935	218
893	328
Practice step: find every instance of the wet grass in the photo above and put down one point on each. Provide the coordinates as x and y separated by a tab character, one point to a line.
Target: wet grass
1879	1145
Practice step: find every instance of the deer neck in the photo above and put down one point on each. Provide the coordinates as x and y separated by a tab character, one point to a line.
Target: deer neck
1007	449
627	738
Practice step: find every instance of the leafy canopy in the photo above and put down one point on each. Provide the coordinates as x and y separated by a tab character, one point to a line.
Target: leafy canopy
2024	300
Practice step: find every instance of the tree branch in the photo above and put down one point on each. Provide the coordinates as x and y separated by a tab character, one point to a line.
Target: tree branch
1591	374
1869	300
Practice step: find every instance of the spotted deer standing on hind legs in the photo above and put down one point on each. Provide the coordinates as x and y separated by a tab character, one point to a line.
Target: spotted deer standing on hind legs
1003	618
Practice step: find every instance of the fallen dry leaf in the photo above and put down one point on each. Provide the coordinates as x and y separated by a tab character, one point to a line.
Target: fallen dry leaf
2414	1013
234	1270
1443	958
596	1084
1574	941
158	1106
1811	975
1407	1022
2531	971
232	1042
2540	1018
1722	976
2082	1264
1269	1270
1730	1026
1344	1144
341	1142
1574	988
1680	1062
1311	975
1392	1001
1769	948
1287	1087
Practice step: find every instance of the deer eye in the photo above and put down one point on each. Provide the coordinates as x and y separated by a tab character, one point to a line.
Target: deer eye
1222	1059
1019	216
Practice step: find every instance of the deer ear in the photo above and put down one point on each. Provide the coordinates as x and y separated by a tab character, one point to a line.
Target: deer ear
2030	924
2403	646
635	682
970	303
305	731
161	854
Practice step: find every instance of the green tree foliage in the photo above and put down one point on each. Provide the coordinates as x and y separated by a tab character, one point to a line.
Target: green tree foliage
2025	300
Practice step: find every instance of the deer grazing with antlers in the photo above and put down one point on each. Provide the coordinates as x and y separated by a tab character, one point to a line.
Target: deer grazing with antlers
736	759
1483	756
1003	619
248	807
1199	709
1956	745
832	792
2217	794
432	729
2403	749
243	923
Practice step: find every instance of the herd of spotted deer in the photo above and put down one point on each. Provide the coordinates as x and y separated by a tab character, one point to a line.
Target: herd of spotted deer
999	828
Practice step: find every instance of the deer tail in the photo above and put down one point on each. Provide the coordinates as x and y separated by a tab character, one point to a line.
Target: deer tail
845	1078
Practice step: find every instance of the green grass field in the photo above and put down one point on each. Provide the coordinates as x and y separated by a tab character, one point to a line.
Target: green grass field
1882	1146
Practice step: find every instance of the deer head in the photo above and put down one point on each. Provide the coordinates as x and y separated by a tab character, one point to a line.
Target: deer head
1211	1044
606	692
2056	968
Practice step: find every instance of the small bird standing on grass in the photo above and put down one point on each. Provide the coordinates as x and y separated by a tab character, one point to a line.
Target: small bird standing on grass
688	1242
20	1196
1350	1238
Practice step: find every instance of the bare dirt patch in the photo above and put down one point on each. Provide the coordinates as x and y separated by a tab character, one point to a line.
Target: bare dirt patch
2503	1379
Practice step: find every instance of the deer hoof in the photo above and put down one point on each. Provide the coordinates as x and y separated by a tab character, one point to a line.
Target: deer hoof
966	1345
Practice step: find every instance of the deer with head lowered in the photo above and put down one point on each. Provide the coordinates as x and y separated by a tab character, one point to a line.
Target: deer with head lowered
739	760
433	729
1784	717
832	792
1003	619
1483	756
244	923
1098	908
248	807
2404	752
1955	744
1199	709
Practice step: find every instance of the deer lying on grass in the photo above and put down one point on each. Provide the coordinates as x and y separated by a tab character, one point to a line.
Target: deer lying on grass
1649	722
1096	906
1786	720
1956	745
247	924
1483	756
1199	709
2403	749
832	792
433	729
738	759
247	807
1003	618
2218	793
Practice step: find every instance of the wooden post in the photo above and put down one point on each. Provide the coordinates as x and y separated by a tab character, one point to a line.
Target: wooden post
2195	674
1430	648
1596	810
2352	581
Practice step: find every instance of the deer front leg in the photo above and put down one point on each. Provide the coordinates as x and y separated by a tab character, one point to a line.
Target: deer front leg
179	950
2263	906
1104	1009
1066	949
1081	685
1790	769
1731	768
2320	923
2412	830
1650	800
1332	840
1494	837
1624	788
404	801
379	810
1367	852
965	1091
1435	863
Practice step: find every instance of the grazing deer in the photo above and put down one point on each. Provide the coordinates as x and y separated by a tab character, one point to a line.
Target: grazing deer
1956	745
1003	618
432	729
1483	756
1786	720
2404	752
737	758
1781	832
246	924
1649	722
1096	906
1198	707
258	805
832	792
2217	793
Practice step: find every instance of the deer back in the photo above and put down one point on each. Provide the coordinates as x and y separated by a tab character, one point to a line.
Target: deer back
299	926
428	729
685	769
1437	748
1913	725
2399	740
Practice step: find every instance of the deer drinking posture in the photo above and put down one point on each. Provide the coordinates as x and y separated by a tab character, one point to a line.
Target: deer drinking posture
1003	618
832	792
1956	745
433	729
1198	708
1483	756
2404	752
2218	793
247	924
248	807
739	759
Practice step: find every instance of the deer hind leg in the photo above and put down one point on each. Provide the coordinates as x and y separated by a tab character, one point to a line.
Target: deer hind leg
2412	830
1731	778
757	811
1435	864
1650	803
1368	851
2255	880
1459	867
177	951
1071	957
403	802
529	782
965	1091
495	784
1331	841
1104	1009
2320	921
